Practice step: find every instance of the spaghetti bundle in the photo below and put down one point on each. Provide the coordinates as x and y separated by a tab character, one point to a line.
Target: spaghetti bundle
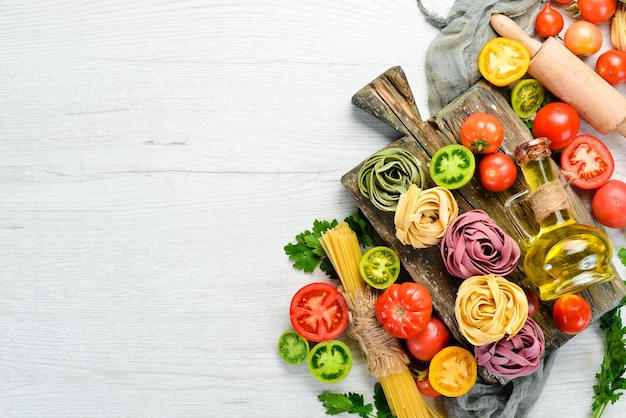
384	357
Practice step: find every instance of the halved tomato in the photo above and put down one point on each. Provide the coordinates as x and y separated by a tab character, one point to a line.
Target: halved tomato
293	347
590	160
380	267
330	361
503	60
319	312
452	166
453	371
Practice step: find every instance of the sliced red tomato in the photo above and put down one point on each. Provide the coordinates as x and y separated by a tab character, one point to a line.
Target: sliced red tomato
453	371
430	341
590	160
571	314
319	312
404	309
482	133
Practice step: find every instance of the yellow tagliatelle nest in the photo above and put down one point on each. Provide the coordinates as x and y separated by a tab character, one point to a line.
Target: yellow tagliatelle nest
488	308
422	216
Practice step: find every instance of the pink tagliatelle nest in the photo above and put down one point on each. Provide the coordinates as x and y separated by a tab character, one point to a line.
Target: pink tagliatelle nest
475	245
517	356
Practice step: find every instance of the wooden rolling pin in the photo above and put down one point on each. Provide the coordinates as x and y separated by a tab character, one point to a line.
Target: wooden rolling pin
569	78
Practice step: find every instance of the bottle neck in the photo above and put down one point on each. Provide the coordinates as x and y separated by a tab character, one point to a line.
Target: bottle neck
537	173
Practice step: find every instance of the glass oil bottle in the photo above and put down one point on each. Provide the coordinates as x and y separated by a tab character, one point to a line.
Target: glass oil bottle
564	256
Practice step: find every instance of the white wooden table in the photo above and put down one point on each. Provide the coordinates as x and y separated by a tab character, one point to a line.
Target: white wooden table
156	157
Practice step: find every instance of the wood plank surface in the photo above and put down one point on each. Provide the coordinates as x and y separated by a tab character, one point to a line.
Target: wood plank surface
389	98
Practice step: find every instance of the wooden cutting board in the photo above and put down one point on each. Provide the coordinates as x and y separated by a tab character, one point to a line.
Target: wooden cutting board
390	99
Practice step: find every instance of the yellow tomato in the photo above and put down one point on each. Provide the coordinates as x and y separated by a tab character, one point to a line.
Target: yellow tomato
503	60
453	371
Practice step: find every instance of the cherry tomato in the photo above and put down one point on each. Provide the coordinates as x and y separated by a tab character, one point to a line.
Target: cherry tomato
452	166
319	312
597	11
611	66
591	161
609	204
527	96
557	121
380	267
533	303
583	38
571	314
452	371
482	133
424	385
330	361
293	347
503	60
404	309
497	172
549	22
427	343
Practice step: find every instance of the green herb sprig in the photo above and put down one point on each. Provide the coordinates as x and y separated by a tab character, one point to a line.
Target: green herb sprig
611	381
354	403
307	252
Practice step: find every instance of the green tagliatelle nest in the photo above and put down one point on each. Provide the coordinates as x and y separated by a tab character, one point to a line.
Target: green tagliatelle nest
387	174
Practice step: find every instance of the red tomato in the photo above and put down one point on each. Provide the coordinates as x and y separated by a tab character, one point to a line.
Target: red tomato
404	309
427	343
583	38
533	303
424	386
557	121
497	172
549	22
482	133
611	66
597	11
319	312
591	161
571	314
609	204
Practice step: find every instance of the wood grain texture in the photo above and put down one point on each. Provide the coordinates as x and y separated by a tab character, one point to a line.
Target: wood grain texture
156	157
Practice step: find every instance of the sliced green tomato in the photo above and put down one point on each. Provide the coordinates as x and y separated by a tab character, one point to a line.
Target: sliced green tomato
380	267
330	361
293	348
527	97
452	166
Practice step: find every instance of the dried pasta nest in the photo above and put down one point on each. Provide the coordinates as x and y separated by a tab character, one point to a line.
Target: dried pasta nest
387	174
488	308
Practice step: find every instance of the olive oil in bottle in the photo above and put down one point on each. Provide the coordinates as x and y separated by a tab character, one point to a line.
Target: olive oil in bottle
564	256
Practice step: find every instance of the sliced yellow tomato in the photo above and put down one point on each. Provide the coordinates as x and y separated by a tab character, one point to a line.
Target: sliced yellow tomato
453	371
503	60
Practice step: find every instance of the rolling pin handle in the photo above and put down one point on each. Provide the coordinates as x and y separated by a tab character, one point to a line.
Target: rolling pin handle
507	28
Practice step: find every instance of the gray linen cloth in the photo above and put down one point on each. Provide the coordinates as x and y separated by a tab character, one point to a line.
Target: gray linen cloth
452	57
452	68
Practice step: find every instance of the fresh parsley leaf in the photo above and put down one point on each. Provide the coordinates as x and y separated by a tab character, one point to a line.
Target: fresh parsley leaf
354	403
307	252
351	403
611	382
622	255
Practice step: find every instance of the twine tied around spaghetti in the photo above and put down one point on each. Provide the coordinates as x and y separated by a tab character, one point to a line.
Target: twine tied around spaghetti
551	196
382	353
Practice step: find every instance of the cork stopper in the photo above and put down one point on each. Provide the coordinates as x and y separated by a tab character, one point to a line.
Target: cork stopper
532	150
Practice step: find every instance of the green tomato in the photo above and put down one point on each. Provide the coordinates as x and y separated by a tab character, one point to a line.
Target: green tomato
452	166
380	267
330	361
293	348
527	97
